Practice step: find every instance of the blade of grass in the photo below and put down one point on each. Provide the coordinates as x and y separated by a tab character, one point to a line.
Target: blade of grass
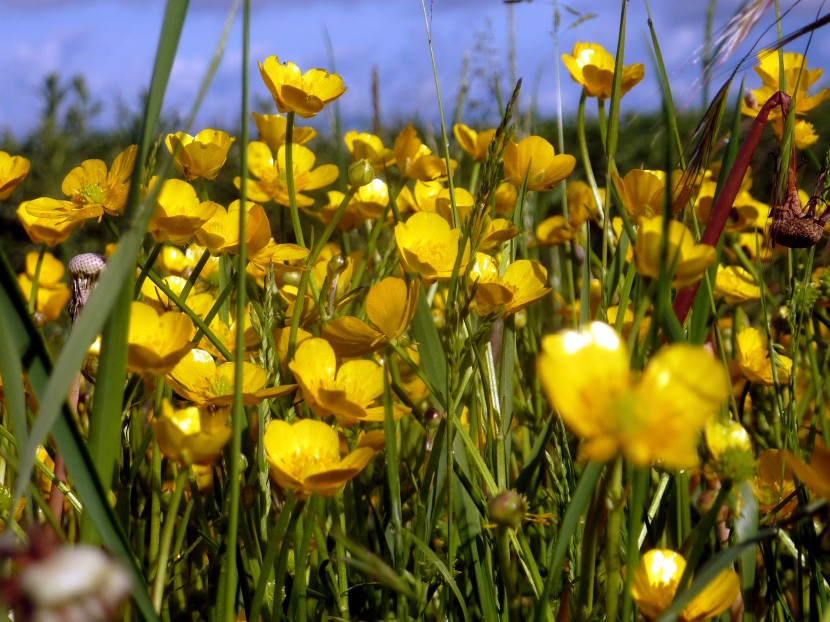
119	269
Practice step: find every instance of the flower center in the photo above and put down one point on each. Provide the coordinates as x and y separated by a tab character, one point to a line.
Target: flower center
93	193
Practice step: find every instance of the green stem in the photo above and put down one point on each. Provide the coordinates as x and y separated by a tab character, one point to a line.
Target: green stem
36	279
167	538
289	178
612	564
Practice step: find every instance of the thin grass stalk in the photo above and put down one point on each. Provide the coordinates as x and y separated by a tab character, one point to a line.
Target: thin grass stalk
239	419
167	538
36	278
576	508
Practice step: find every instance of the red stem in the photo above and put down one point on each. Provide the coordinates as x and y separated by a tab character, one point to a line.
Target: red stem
726	198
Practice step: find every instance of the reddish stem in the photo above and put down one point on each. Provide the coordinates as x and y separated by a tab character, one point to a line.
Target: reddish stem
731	187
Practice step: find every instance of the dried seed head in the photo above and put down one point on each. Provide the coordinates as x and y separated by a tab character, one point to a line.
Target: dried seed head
84	270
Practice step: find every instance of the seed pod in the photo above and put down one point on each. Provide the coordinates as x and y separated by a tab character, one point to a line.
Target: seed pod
84	270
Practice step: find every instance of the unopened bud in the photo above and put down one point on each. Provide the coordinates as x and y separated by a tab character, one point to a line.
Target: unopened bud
508	509
361	173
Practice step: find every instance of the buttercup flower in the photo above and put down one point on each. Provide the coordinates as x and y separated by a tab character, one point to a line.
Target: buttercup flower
197	378
429	246
305	457
685	260
348	219
752	356
45	230
93	191
365	146
179	212
554	230
303	93
656	580
390	306
642	192
415	159
534	159
506	196
192	435
582	204
371	200
277	256
345	391
220	233
271	174
156	342
735	285
52	293
202	155
593	67
271	128
773	483
585	375
473	142
522	284
815	475
797	81
13	169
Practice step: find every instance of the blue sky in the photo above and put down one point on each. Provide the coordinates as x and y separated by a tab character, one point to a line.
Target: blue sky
112	43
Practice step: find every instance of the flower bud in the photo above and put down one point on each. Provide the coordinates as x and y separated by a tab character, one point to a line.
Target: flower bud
361	173
507	509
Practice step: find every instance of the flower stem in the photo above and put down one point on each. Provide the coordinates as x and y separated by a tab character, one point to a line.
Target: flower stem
36	279
167	538
612	564
289	178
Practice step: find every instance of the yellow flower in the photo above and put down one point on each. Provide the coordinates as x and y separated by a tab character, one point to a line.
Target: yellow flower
13	169
156	342
305	457
390	306
816	475
365	146
92	190
278	257
52	294
752	356
45	230
797	81
656	580
415	159
271	128
348	220
506	196
642	192
582	204
179	212
534	159
303	93
746	212
202	155
593	67
191	435
495	232
522	284
371	200
422	197
585	375
685	260
271	174
473	142
735	285
554	230
773	483
429	246
345	391
220	233
197	378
